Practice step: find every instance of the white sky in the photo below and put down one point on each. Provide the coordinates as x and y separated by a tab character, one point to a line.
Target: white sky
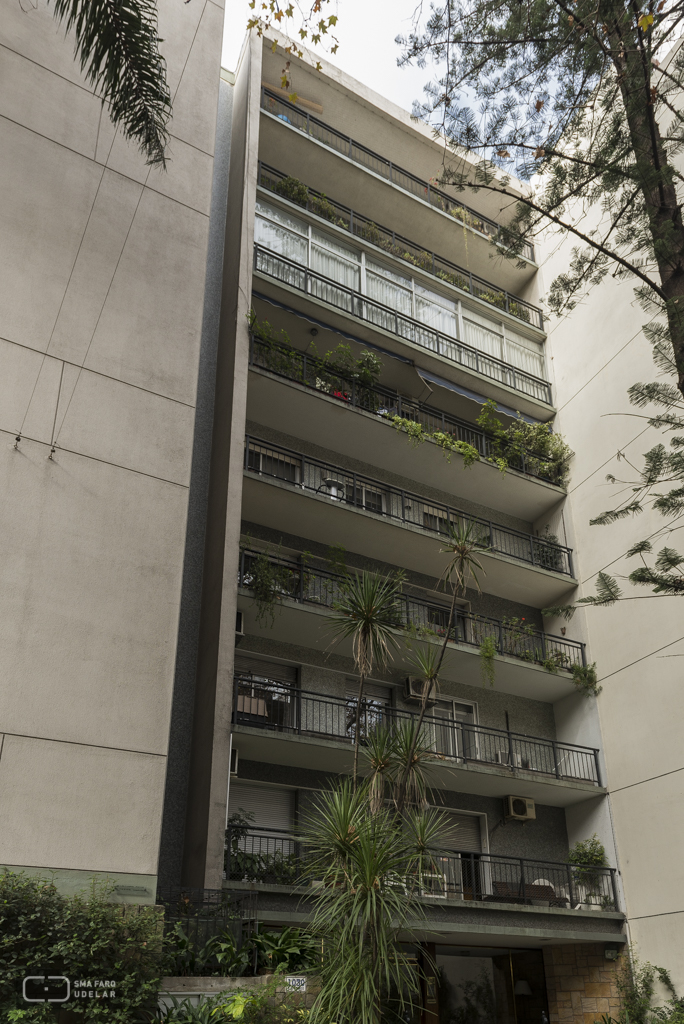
366	32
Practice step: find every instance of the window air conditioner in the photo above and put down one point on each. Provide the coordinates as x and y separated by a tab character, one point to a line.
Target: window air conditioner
413	690
233	762
520	808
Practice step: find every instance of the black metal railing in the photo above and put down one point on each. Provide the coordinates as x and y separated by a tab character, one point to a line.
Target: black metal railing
346	488
204	913
301	582
360	154
311	371
277	857
403	248
268	704
359	305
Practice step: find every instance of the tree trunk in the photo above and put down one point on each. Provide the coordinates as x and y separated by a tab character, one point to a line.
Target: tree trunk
357	729
657	186
401	792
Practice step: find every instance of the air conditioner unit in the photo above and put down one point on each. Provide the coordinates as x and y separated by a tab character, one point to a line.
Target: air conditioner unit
413	690
520	808
239	627
233	762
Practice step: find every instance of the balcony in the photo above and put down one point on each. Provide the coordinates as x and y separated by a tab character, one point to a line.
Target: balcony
275	857
345	146
402	248
277	707
353	303
520	648
518	566
302	368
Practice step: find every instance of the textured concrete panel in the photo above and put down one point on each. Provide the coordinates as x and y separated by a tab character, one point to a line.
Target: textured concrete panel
47	195
85	807
106	419
48	104
89	589
194	120
150	336
93	272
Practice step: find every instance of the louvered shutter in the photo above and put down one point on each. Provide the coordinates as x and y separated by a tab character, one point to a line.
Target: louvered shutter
272	808
467	836
247	665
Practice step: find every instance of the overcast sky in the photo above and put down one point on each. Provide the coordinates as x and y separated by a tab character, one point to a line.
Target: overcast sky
366	31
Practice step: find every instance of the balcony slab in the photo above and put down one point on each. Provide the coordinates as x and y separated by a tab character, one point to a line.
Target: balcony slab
302	412
307	625
280	506
297	154
462	922
325	753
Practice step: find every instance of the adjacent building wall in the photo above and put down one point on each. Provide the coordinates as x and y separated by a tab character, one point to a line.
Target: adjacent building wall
103	263
597	352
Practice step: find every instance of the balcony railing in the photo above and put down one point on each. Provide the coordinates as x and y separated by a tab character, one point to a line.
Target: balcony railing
292	364
301	582
269	704
404	249
278	857
346	146
359	305
347	488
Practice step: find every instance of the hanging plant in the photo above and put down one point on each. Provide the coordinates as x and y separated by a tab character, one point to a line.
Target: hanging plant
487	667
585	679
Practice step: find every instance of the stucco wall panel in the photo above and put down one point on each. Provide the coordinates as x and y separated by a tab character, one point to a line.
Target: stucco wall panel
84	807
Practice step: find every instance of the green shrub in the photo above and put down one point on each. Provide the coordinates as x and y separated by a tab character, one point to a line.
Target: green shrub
83	936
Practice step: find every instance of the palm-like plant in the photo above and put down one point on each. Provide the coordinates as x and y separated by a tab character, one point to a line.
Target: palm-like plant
367	864
117	46
368	614
461	570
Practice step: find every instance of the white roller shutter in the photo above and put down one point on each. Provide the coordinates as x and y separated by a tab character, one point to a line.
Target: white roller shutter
272	808
257	668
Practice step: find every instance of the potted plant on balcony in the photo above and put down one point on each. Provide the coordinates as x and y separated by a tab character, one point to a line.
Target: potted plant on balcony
588	856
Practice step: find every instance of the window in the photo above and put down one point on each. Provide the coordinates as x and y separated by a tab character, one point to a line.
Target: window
389	288
437	311
276	230
376	701
334	260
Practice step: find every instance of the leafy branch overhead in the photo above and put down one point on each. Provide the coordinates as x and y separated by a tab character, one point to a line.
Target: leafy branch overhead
117	47
313	26
585	100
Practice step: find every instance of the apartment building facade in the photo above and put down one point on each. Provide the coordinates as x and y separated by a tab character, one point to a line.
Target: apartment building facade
336	235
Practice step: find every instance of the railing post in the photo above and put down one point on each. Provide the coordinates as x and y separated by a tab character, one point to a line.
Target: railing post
351	222
304	366
556	766
568	555
390	171
522	879
614	888
507	302
302	470
532	555
301	582
298	709
571	892
228	851
598	766
511	758
351	149
354	490
403	506
470	275
246	462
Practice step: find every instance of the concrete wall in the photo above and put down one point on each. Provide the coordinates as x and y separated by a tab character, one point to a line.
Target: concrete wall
597	352
103	262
